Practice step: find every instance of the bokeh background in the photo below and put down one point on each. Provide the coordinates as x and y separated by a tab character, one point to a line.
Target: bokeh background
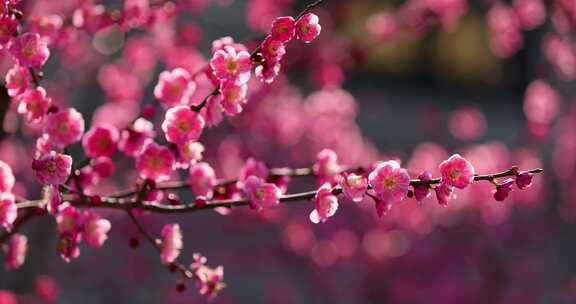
419	94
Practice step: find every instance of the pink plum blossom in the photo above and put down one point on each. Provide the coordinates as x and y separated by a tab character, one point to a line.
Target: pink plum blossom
220	44
326	204
64	127
8	297
268	70
233	97
155	162
34	104
212	112
100	140
189	152
541	102
18	79
531	13
382	26
326	167
283	29
16	251
228	64
422	191
202	179
272	47
208	280
457	171
95	229
132	140
103	166
182	124
524	180
53	168
69	223
503	189
69	245
69	219
261	194
308	28
6	177
52	197
174	87
8	210
8	26
254	167
354	186
30	50
389	181
444	193
171	243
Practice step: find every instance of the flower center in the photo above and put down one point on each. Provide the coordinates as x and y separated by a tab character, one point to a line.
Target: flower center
389	183
454	173
231	65
155	162
51	166
182	125
29	50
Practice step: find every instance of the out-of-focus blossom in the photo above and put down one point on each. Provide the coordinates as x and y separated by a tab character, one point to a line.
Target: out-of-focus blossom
467	123
103	166
202	179
382	26
16	252
46	288
171	243
504	26
8	26
6	177
100	140
541	102
174	87
8	210
531	13
95	229
253	167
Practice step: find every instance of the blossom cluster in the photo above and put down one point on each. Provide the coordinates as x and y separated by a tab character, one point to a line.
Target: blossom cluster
71	186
